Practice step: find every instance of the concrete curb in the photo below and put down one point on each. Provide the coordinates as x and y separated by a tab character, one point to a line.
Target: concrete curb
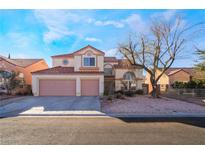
181	115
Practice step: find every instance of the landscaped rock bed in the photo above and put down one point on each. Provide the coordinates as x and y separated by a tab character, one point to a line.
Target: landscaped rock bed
147	105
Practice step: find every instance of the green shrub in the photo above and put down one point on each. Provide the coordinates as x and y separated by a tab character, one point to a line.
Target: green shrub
193	84
178	85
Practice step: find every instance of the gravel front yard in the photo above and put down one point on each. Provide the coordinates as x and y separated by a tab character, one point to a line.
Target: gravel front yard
146	105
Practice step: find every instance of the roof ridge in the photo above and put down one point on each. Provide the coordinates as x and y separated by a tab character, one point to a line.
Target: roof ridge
87	47
19	61
26	58
72	53
62	55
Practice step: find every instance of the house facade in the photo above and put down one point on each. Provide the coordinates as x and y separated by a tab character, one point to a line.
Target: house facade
175	74
84	73
121	75
23	66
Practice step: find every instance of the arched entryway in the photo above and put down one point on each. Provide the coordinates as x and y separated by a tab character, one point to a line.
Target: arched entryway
129	81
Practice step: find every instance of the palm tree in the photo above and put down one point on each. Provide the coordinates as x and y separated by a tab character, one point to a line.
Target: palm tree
201	65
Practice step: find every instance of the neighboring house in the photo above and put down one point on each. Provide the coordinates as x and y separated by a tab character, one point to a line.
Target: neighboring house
175	74
81	73
23	66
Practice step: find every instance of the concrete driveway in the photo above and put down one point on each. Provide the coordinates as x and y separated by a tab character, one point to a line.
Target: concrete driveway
51	106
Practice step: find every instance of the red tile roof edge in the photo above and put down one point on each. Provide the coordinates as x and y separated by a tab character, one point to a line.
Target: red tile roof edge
70	70
63	55
72	54
90	47
172	73
110	59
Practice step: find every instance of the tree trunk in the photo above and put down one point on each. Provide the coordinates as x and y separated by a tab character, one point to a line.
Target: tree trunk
155	92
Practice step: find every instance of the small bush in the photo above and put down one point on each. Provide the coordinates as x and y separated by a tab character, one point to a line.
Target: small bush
119	91
129	93
193	84
139	92
119	96
109	98
19	93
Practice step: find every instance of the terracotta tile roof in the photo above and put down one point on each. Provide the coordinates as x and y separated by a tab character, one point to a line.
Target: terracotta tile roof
172	70
110	59
72	54
21	62
63	55
175	71
193	72
26	62
89	46
124	64
59	70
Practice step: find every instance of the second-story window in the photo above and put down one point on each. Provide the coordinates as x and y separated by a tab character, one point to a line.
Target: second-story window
89	61
65	62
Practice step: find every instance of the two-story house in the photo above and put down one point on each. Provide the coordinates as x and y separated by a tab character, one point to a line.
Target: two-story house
84	73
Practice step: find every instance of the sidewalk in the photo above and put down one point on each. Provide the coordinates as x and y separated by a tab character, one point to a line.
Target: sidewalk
140	106
35	113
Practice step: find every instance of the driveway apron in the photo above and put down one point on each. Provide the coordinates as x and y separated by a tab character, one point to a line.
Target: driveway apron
51	104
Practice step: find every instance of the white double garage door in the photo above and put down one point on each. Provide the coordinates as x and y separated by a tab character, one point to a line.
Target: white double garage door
67	87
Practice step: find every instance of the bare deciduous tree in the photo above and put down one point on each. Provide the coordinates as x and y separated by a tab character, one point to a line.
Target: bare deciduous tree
11	80
158	49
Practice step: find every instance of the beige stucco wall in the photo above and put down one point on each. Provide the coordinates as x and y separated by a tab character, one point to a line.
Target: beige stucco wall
59	62
100	60
119	75
36	78
77	60
164	80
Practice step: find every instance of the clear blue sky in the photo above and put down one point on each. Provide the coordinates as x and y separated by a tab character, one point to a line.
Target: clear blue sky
43	33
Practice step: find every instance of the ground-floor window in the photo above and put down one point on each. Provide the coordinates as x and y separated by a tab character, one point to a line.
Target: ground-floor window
129	85
129	81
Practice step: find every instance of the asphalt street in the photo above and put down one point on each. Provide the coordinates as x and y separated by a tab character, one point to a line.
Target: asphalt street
101	130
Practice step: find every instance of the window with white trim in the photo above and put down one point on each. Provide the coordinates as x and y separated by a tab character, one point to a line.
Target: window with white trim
89	61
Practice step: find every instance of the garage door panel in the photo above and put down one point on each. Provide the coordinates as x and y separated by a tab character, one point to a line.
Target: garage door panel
90	87
57	87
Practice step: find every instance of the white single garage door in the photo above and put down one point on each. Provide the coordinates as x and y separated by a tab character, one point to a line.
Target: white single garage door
58	87
90	87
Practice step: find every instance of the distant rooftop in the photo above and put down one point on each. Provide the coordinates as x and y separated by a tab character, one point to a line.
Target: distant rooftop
21	62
